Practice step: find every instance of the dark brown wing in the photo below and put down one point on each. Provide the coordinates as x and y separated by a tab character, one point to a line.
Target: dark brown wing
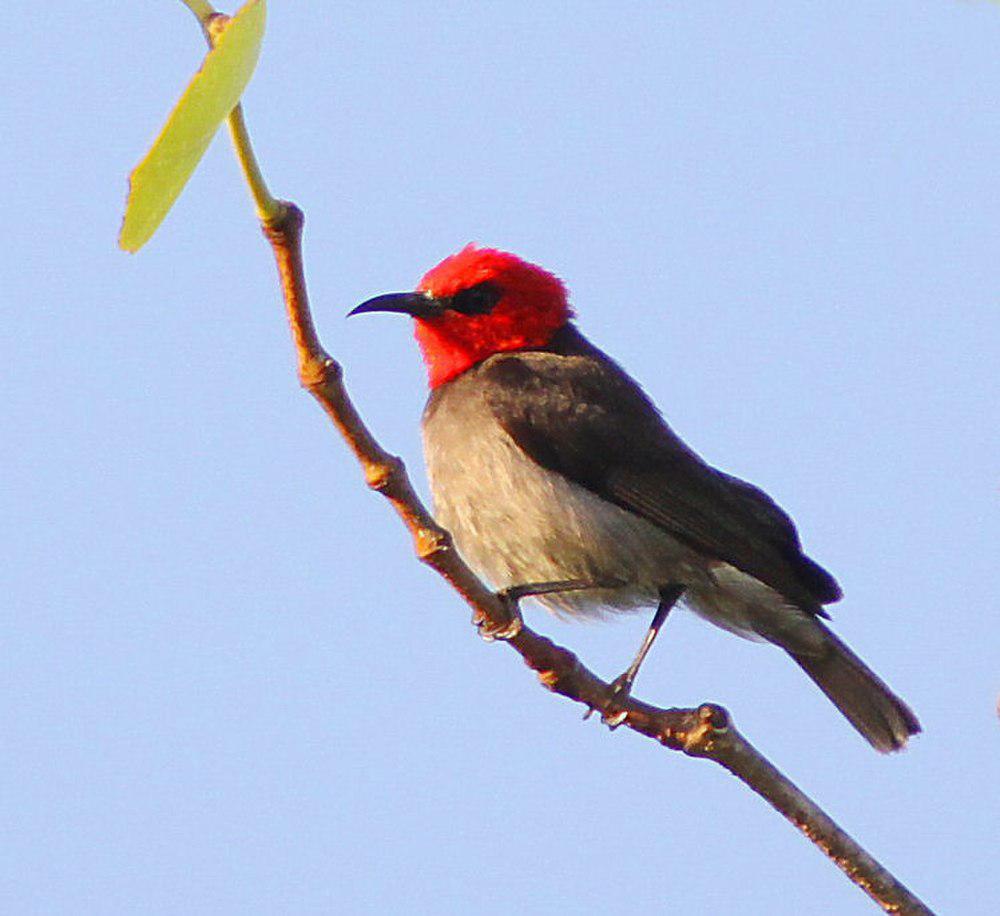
573	411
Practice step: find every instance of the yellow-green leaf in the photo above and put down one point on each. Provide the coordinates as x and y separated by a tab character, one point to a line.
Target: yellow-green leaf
214	91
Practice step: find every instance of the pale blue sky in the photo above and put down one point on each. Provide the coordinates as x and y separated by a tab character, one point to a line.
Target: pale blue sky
227	687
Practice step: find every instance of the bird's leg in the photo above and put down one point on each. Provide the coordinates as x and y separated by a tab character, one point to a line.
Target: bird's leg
512	595
515	593
621	686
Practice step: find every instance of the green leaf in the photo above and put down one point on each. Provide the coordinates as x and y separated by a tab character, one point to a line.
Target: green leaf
159	178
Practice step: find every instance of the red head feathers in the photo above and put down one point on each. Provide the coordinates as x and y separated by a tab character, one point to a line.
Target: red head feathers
497	303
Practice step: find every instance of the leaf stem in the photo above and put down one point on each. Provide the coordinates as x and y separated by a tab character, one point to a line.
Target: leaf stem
202	9
268	208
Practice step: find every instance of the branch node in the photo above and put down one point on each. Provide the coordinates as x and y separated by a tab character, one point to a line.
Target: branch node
431	543
714	716
711	722
285	224
549	679
317	373
381	475
214	26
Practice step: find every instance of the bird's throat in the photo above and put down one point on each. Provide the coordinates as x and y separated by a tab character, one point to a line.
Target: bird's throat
451	347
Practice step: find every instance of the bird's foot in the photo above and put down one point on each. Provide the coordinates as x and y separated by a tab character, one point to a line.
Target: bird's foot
511	597
491	631
614	711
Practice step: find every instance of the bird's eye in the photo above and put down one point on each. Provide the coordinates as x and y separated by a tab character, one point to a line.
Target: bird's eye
476	300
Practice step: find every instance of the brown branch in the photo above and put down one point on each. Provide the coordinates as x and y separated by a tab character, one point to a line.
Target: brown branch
322	377
703	732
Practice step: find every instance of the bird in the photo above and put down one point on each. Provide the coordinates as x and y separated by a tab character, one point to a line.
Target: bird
559	480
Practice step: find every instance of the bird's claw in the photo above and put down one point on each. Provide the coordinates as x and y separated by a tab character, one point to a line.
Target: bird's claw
491	631
614	711
511	600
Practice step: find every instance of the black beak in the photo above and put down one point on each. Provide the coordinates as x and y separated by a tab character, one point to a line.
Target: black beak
418	305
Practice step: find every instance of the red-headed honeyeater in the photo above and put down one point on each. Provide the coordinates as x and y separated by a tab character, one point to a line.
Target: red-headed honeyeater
558	478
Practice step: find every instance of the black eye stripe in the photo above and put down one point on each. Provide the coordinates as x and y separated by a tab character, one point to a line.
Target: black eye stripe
476	300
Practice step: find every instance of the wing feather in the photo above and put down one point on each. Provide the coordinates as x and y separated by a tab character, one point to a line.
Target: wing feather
575	412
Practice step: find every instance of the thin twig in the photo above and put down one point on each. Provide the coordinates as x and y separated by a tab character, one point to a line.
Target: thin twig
321	376
703	732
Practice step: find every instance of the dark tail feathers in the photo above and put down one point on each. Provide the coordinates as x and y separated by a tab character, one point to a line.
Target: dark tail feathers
871	707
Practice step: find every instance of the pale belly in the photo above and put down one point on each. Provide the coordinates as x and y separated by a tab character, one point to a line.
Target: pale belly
523	524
